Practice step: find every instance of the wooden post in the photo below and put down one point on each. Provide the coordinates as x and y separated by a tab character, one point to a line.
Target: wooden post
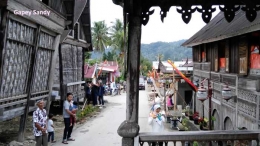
23	119
52	70
130	128
133	63
61	77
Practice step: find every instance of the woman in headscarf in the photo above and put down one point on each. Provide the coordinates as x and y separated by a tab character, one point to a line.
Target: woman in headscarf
156	119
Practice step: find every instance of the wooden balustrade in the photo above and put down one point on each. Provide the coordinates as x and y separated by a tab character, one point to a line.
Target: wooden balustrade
216	138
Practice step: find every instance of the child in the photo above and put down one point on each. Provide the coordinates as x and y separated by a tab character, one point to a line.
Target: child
73	109
156	119
50	129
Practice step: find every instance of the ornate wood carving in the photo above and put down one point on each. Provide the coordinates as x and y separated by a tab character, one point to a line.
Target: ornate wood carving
247	103
245	95
17	55
43	63
206	8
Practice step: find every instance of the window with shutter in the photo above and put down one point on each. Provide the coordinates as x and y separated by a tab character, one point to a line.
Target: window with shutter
243	55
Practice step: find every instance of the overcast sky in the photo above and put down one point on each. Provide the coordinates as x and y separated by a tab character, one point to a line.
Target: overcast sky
173	28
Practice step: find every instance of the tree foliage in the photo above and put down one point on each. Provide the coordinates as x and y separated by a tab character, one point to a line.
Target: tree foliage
100	36
145	65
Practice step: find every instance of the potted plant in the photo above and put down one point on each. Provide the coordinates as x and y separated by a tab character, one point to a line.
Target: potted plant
196	118
204	124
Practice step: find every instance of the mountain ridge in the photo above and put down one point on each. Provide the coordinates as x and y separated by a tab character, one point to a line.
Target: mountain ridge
170	50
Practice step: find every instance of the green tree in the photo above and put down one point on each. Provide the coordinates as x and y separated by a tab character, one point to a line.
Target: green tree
145	65
100	36
118	43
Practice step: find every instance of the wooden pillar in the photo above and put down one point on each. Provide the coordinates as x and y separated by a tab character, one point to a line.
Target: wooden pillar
52	70
61	78
23	119
130	128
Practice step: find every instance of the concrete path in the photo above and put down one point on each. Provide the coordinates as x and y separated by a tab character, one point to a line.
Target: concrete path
102	130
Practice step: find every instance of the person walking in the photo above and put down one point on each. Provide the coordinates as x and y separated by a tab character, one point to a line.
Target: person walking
101	94
50	129
66	115
156	119
40	124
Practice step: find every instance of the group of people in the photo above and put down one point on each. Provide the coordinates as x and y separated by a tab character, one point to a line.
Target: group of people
43	126
95	93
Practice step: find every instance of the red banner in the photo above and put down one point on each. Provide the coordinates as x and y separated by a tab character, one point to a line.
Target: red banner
186	79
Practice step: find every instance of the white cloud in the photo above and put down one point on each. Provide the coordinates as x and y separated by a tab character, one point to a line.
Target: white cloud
172	29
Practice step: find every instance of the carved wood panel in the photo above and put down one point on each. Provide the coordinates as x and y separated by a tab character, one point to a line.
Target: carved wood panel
245	95
43	63
247	103
17	57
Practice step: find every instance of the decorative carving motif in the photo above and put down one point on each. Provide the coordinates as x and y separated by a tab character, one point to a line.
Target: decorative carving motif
246	108
186	12
229	11
231	103
145	15
251	11
164	10
206	11
43	63
17	56
228	7
245	95
41	76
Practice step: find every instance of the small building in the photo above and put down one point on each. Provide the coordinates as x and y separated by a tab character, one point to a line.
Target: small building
228	53
90	72
109	71
184	95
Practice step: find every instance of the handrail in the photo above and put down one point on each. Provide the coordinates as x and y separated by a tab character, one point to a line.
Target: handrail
200	136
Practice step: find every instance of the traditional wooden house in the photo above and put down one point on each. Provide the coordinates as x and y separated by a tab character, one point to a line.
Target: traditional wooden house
109	71
33	33
69	75
136	14
229	53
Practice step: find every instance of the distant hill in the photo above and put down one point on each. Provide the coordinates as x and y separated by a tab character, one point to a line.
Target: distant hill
170	50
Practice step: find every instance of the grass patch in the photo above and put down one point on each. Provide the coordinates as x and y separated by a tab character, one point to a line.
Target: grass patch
87	111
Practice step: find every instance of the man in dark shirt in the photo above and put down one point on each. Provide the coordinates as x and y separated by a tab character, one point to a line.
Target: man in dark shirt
101	94
88	93
94	93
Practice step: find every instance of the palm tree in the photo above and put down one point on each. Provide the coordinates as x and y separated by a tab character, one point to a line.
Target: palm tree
159	57
100	36
118	42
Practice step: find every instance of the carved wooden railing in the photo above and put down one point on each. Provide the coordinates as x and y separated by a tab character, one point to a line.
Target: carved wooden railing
225	138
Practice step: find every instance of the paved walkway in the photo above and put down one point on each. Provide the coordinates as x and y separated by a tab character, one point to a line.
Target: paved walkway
102	130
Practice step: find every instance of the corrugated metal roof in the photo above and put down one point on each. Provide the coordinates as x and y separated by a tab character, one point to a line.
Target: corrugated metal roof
218	29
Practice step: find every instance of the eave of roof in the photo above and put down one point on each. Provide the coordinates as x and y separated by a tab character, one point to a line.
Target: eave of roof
219	29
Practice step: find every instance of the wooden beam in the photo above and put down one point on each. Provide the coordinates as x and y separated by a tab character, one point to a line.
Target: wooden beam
75	42
54	21
76	83
32	68
52	71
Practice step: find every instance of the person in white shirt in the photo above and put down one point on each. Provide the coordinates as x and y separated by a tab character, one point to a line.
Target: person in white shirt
156	119
50	129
